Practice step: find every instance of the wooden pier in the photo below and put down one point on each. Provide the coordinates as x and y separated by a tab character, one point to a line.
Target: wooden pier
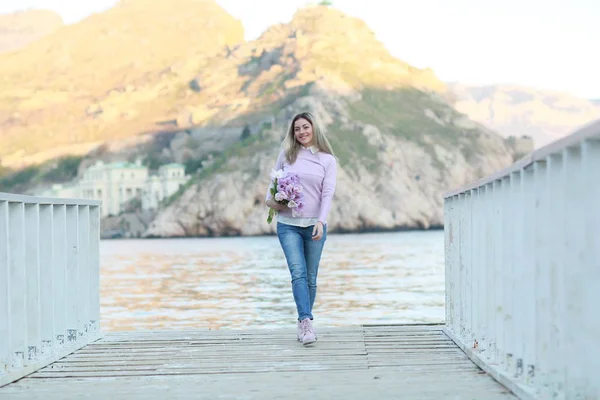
522	277
380	362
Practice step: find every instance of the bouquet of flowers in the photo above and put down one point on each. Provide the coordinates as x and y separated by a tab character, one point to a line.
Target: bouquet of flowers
286	189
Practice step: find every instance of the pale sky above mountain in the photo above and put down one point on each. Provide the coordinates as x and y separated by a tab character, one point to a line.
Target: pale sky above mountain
548	44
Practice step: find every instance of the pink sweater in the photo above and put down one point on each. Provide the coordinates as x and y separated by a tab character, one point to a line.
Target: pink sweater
317	174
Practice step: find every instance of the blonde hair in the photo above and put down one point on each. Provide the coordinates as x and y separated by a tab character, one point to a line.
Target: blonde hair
292	147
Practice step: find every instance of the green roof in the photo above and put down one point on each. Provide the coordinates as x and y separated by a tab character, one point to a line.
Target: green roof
173	165
124	165
128	165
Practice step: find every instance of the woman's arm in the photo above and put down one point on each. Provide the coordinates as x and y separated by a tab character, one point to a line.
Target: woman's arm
329	183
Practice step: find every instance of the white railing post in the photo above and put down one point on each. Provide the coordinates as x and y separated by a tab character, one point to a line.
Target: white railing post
49	280
83	286
32	273
522	270
505	237
448	232
488	288
450	250
528	282
574	275
72	299
94	276
498	282
481	303
48	335
555	181
17	285
509	269
473	273
59	268
466	268
542	278
519	296
5	357
590	329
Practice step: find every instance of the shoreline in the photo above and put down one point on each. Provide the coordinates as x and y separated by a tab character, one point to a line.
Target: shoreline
335	231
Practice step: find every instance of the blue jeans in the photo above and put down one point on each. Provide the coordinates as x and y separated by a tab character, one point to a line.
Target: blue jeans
303	255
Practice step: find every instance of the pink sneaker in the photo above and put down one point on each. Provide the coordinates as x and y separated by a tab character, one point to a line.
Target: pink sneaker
308	333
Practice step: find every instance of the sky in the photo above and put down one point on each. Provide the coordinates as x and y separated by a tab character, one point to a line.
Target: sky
548	44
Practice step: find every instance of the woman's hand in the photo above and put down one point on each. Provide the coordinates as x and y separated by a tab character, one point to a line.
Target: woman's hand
317	232
275	205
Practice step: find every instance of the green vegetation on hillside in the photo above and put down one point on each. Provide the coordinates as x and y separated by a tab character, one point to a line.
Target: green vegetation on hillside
13	182
63	170
402	112
240	151
351	146
245	132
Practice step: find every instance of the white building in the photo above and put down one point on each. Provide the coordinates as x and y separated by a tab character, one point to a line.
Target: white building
158	187
119	182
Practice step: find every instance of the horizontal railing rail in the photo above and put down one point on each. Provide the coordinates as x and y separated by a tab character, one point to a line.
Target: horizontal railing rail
523	270
49	280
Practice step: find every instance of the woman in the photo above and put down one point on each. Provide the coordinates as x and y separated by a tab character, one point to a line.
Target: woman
306	152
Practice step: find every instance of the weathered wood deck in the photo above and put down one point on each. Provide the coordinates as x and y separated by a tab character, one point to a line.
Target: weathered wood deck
381	362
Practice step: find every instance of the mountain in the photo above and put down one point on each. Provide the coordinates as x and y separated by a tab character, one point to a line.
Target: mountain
104	78
543	115
21	28
398	142
174	82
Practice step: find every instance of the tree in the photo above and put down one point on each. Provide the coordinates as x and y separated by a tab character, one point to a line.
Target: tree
192	165
65	170
245	133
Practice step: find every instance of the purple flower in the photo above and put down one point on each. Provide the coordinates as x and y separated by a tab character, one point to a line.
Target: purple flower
288	191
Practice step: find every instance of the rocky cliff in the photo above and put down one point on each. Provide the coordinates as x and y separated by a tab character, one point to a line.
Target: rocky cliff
21	28
543	115
399	144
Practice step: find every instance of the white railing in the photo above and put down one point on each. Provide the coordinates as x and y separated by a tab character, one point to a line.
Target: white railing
49	280
523	270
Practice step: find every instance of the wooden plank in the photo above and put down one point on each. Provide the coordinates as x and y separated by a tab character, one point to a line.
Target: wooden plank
229	364
379	384
161	361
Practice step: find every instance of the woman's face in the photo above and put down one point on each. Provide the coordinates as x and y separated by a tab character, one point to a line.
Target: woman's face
303	132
